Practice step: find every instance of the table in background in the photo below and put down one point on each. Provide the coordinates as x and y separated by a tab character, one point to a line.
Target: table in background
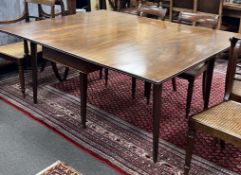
233	10
151	50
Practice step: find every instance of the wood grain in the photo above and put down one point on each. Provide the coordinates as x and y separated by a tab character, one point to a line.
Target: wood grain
145	48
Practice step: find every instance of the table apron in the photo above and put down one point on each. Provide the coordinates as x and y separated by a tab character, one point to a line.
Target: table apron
69	61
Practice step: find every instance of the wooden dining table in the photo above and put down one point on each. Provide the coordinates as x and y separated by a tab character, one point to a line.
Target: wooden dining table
148	49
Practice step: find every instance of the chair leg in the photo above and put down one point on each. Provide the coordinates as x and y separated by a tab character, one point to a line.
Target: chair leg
83	98
189	97
56	72
133	88
222	144
66	72
147	91
43	65
21	77
106	76
204	85
189	150
101	73
174	84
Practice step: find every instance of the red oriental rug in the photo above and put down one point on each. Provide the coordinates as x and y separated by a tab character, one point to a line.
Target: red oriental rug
119	128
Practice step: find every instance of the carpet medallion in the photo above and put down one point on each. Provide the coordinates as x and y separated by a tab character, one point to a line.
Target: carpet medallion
118	128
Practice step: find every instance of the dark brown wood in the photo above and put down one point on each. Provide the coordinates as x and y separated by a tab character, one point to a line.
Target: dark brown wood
189	149
106	76
130	51
189	96
56	72
174	84
133	88
83	97
21	76
157	90
33	48
69	61
210	67
205	69
109	42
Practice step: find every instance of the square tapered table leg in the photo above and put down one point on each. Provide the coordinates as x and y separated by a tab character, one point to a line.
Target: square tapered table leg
157	90
33	47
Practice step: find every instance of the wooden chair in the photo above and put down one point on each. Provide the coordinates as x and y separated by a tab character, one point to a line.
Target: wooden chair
181	6
19	51
195	19
43	15
224	120
203	20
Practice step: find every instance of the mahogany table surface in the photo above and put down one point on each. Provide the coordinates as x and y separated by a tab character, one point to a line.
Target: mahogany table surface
145	48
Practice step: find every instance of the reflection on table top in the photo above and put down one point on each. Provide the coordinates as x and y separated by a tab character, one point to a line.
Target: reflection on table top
145	48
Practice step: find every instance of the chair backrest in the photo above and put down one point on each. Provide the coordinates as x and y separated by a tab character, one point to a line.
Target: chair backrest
50	3
158	12
196	19
211	7
234	58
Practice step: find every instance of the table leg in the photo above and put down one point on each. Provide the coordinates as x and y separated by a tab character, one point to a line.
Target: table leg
157	89
209	81
34	71
83	98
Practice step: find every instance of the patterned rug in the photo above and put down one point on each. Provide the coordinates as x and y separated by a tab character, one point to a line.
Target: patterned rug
59	168
118	128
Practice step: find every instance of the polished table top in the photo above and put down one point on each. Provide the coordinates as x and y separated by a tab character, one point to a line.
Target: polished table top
146	48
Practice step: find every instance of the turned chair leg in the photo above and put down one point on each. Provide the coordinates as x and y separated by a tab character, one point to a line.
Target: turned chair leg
43	65
147	91
21	76
204	84
189	150
66	72
189	97
174	84
56	72
106	76
133	88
